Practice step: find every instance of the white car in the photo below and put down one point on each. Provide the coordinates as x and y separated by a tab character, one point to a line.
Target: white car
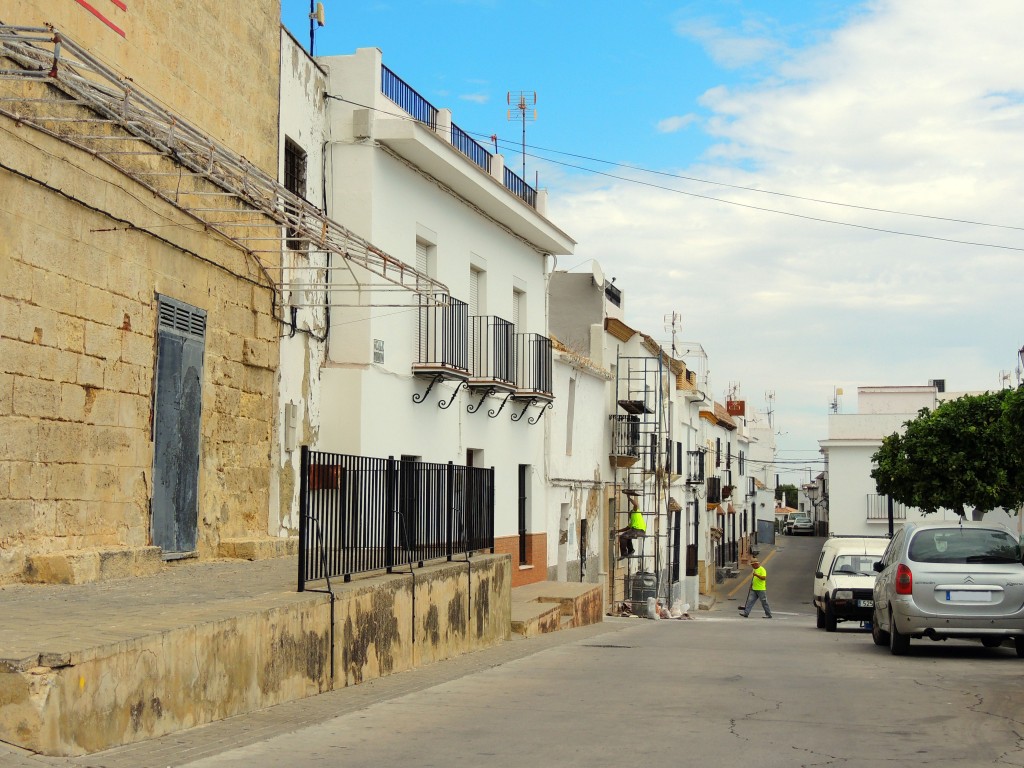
845	579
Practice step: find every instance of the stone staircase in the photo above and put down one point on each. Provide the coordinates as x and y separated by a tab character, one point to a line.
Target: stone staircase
549	606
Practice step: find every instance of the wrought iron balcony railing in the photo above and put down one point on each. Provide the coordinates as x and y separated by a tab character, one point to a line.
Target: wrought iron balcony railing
714	488
400	92
492	351
518	187
442	342
695	467
533	365
471	148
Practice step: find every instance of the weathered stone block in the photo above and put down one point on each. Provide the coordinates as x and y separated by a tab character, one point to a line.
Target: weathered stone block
6	394
258	548
36	398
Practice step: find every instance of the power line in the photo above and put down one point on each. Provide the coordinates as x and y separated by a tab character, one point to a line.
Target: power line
763	209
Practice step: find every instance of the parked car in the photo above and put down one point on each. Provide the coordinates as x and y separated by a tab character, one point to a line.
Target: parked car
845	579
943	580
801	525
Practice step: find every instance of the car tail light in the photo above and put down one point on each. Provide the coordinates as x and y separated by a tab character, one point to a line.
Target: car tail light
904	580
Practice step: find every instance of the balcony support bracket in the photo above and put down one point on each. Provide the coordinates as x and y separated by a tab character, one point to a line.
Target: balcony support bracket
420	398
442	404
486	393
494	413
545	407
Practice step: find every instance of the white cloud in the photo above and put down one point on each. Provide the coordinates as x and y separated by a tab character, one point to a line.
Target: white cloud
675	123
730	50
476	98
911	106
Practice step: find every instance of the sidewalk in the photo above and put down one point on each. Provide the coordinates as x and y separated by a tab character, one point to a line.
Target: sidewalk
206	641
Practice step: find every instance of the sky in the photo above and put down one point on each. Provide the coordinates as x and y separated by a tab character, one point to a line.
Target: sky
828	194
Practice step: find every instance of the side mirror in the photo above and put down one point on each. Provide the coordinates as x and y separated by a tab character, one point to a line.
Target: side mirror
878	567
819	575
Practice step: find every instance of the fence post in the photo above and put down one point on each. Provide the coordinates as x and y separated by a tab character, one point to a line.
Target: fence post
303	512
390	509
451	510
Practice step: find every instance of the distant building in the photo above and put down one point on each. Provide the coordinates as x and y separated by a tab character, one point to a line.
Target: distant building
854	504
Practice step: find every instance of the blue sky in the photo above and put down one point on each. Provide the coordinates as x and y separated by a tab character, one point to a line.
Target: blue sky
888	108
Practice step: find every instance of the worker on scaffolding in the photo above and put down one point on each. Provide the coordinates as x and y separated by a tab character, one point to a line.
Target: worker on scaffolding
636	529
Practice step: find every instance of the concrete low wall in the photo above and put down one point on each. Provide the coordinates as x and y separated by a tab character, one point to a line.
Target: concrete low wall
160	683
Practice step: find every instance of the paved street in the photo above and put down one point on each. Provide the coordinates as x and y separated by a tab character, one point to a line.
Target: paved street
716	691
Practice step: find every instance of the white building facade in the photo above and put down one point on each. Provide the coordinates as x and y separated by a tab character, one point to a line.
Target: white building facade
855	508
442	355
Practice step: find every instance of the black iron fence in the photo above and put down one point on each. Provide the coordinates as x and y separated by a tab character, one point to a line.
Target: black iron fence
360	514
400	92
443	334
533	363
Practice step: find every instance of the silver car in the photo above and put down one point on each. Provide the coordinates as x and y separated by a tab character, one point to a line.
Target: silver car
943	580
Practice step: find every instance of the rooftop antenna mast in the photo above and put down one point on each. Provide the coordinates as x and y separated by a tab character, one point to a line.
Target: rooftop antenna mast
673	323
769	399
522	105
316	19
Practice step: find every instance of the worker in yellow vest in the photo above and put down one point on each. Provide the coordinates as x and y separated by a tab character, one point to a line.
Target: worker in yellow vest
758	590
636	529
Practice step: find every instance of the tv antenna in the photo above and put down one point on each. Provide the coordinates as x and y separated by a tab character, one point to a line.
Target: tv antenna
834	406
673	324
523	110
769	400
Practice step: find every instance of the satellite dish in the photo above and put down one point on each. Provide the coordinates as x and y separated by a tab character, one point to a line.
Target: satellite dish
595	270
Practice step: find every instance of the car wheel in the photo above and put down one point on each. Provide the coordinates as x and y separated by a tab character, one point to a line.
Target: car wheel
878	635
899	644
1018	643
991	642
830	618
821	618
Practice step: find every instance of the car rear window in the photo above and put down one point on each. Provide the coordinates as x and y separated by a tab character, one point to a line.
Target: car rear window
963	545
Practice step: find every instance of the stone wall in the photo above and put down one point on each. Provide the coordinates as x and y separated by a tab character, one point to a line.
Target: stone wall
215	62
85	253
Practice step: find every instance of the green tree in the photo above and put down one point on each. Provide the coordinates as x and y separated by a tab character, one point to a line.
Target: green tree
966	453
787	494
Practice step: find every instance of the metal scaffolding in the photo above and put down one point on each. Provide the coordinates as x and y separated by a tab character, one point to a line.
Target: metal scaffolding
71	95
640	430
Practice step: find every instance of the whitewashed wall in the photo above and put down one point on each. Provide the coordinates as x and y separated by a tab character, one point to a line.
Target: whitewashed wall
303	120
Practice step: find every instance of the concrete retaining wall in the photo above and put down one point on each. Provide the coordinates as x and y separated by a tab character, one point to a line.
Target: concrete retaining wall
160	683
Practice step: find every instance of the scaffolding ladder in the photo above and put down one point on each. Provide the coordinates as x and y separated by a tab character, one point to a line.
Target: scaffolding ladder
640	430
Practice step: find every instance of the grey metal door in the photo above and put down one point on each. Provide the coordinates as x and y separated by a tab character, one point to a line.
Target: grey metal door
181	334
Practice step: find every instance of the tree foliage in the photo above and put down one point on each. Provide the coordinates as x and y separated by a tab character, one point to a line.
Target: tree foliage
968	452
787	494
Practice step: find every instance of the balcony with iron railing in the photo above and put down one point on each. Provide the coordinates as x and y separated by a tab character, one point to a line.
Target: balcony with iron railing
471	148
533	366
491	353
400	92
518	187
695	467
442	340
421	110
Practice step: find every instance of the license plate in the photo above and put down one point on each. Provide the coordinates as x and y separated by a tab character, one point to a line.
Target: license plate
964	596
865	603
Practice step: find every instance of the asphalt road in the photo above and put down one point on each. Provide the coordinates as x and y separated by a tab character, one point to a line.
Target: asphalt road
719	690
